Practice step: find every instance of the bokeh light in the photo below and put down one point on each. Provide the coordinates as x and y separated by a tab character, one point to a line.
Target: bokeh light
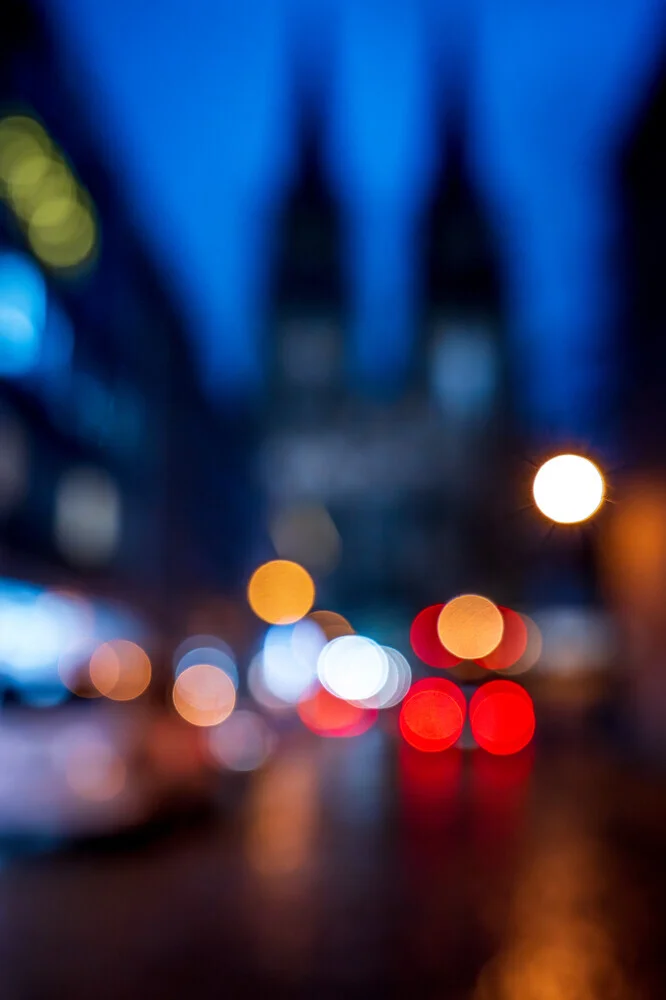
289	659
22	314
568	489
307	641
425	640
397	684
38	180
306	533
62	231
87	516
332	624
353	667
205	649
260	690
38	184
36	628
533	649
120	670
512	645
502	717
324	714
21	139
470	626
24	179
243	742
433	714
204	695
281	592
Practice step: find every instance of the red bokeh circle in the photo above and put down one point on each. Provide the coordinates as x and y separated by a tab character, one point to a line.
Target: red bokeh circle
512	645
426	642
324	714
433	714
502	717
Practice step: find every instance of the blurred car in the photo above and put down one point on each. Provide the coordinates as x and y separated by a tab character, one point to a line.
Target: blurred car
94	769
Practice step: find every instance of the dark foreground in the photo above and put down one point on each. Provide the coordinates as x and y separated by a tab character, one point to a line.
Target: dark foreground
346	868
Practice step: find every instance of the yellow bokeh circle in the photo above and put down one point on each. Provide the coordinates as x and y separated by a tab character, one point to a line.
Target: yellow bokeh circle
120	670
281	592
470	626
204	695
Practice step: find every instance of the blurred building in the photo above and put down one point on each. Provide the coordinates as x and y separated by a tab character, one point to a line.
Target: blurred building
381	489
115	476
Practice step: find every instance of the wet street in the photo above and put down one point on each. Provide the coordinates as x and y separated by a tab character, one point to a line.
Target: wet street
359	868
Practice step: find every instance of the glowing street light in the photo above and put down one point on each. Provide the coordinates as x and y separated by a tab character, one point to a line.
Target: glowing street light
568	489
